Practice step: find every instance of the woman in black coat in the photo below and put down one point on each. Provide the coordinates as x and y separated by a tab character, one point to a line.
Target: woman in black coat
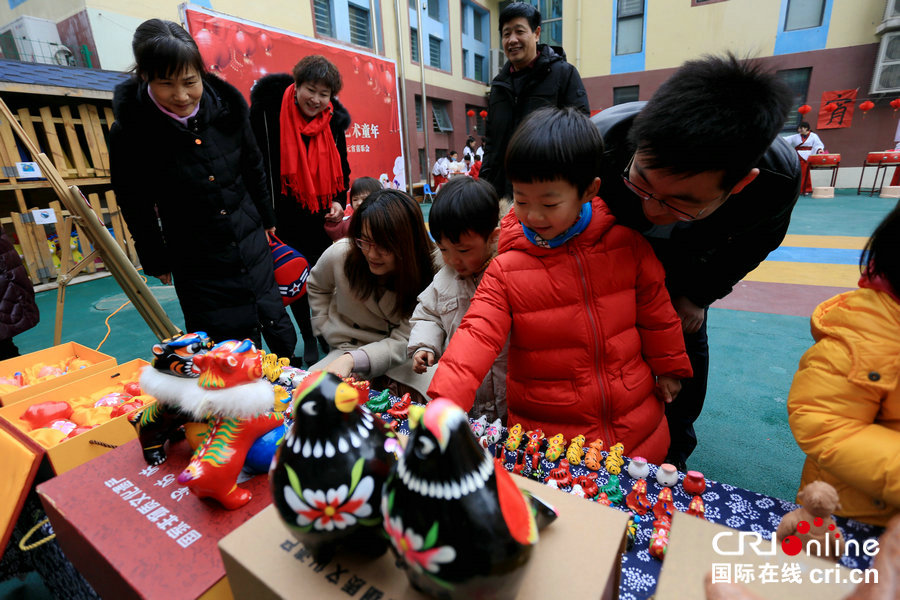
306	165
188	175
18	309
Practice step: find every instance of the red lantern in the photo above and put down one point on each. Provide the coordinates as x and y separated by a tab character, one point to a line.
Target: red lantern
804	109
831	107
866	106
470	113
895	103
483	114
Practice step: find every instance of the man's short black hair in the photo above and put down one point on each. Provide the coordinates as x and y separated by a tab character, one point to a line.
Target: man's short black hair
717	113
520	9
555	143
464	204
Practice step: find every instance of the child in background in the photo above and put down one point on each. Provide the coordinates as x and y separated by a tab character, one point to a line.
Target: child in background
464	224
359	191
595	347
363	290
844	404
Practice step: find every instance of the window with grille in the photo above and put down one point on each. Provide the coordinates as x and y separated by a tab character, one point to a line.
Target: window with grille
434	9
804	14
423	165
628	93
798	81
359	26
440	117
434	51
322	13
466	71
629	26
479	68
414	44
418	103
478	25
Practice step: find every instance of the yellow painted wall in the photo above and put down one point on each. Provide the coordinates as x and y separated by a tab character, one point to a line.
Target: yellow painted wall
596	36
854	23
677	31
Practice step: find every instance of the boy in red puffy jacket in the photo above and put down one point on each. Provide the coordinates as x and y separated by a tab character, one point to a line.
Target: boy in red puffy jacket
595	347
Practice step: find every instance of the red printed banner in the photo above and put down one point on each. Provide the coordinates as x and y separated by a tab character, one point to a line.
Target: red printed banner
841	113
241	52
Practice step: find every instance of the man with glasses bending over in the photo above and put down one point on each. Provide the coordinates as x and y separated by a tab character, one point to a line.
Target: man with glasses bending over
700	170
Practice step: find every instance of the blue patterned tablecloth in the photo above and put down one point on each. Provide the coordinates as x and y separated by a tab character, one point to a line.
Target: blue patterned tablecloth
725	504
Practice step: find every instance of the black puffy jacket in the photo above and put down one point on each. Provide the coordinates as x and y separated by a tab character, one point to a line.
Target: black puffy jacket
207	185
550	82
18	310
704	259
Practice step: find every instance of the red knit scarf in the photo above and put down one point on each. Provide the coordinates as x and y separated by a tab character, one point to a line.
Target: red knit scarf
312	175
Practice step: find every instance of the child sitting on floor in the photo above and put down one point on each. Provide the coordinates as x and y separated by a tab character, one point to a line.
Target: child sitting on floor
464	223
595	347
844	404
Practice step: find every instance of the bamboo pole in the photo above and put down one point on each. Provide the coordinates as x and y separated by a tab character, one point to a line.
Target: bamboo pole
114	258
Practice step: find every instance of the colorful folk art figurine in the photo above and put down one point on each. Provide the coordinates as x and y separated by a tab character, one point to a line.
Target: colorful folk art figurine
614	462
479	425
696	508
659	539
612	490
576	450
172	380
534	441
667	475
561	475
514	437
604	499
638	468
593	459
492	434
400	410
327	476
239	408
665	505
588	483
694	484
456	520
631	531
555	447
379	403
637	498
811	526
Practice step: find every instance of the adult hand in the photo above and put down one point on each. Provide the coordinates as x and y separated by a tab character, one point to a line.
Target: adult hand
667	388
690	314
165	278
422	359
336	213
342	366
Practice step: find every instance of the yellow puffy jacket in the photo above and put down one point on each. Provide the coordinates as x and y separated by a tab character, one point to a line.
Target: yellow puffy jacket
844	404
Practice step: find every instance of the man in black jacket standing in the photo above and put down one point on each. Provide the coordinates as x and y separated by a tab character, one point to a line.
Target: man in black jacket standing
701	172
535	75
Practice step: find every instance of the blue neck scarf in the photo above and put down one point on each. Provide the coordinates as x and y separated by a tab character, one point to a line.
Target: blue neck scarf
580	225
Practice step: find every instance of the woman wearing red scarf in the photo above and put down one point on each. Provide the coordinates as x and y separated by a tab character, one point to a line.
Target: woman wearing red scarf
300	125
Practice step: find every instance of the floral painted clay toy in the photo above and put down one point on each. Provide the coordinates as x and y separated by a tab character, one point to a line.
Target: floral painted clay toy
637	498
514	437
555	447
456	520
328	474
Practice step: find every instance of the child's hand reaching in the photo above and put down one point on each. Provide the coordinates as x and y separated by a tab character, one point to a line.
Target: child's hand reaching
667	388
422	359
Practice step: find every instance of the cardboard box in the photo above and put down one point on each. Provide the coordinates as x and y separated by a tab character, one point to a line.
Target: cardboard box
582	547
54	355
91	444
692	553
17	471
134	532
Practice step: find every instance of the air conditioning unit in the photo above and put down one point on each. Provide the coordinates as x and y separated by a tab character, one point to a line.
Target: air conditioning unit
37	40
886	78
498	59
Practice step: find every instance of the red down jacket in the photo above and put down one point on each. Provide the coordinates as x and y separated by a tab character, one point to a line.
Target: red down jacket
590	323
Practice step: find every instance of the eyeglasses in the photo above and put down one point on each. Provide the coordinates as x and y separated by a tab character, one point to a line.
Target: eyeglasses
366	246
646	196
